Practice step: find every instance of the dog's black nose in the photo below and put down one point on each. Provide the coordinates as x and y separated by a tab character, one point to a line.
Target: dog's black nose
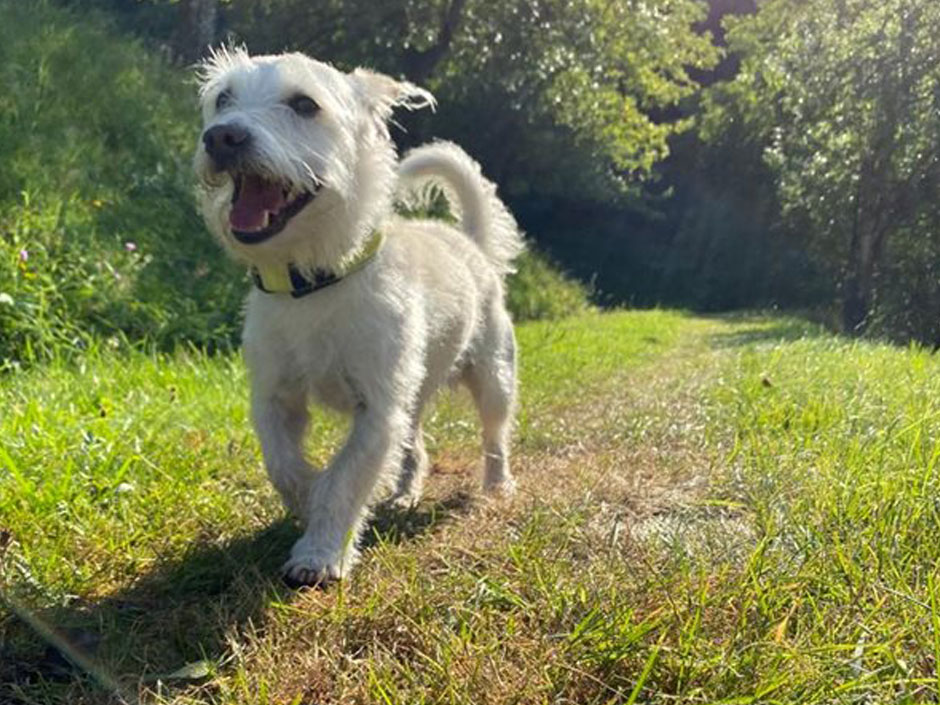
225	144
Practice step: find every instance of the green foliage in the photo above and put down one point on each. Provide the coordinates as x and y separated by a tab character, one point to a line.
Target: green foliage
570	107
843	96
99	236
572	86
814	182
729	249
99	232
586	91
538	290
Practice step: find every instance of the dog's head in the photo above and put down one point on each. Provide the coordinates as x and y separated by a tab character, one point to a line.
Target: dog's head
294	160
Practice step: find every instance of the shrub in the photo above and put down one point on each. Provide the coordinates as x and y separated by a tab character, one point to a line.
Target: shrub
539	290
98	231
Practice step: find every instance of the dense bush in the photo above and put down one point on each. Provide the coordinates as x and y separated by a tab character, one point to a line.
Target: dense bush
99	233
538	290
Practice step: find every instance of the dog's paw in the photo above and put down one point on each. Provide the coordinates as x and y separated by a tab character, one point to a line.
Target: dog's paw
318	578
504	487
404	502
309	566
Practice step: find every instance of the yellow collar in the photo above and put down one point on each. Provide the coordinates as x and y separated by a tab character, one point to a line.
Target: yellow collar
289	280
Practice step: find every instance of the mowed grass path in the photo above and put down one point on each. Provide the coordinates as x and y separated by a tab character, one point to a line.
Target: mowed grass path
710	510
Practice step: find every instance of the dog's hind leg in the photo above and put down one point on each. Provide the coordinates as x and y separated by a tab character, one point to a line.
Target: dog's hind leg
414	467
280	419
491	378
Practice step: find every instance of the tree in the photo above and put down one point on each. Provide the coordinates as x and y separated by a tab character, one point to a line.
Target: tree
570	105
579	88
845	95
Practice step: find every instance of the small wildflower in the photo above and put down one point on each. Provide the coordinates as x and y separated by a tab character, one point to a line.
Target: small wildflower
6	299
97	203
130	246
24	255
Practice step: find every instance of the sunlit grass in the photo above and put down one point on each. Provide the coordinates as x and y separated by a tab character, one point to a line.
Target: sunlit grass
119	461
725	510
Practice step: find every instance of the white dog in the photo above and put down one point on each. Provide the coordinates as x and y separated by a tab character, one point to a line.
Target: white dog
365	312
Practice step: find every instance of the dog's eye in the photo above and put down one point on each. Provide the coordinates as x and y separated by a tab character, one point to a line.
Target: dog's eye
223	101
303	105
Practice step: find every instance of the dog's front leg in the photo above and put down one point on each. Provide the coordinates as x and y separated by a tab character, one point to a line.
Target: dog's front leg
280	417
338	497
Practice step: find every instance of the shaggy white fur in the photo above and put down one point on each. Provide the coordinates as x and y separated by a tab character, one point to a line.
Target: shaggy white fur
296	167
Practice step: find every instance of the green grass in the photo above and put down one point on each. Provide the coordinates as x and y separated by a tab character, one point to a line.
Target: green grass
710	510
100	233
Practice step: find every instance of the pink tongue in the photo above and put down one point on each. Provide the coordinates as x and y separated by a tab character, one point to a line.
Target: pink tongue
256	196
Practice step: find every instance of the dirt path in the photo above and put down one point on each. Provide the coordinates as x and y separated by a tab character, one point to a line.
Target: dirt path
635	450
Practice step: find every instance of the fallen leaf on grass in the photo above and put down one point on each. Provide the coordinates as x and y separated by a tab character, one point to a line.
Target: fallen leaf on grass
190	672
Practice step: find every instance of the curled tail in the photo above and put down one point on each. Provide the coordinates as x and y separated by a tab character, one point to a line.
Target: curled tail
472	198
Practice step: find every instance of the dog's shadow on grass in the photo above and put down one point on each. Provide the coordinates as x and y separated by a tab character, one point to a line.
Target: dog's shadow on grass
393	525
184	611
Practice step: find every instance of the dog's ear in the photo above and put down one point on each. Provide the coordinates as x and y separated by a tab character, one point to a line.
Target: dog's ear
383	93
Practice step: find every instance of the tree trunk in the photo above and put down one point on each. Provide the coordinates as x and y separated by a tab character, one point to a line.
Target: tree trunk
197	28
419	65
857	294
871	227
881	194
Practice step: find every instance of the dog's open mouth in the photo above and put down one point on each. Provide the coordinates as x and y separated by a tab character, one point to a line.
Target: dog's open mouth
261	208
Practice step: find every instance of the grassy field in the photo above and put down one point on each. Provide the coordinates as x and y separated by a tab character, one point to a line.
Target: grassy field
725	510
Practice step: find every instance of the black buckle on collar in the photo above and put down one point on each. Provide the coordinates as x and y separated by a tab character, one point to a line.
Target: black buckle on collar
301	285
